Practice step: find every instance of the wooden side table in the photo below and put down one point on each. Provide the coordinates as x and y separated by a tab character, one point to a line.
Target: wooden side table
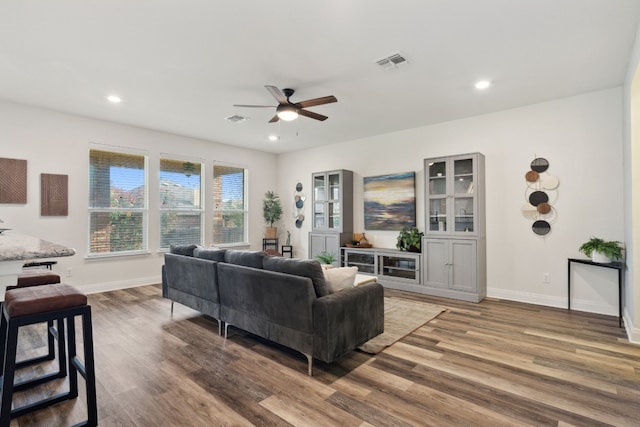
619	266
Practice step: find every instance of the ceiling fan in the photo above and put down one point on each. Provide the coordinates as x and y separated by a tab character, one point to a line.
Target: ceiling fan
287	110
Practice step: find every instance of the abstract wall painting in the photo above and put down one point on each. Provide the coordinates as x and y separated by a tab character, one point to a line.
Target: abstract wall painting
54	195
13	181
390	201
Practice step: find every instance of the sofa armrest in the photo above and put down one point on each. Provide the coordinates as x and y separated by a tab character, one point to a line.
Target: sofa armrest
344	320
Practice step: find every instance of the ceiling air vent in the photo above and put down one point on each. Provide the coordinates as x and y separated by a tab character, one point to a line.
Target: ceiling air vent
236	118
392	62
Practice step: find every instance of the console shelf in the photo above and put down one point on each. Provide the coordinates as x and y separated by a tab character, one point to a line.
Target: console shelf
394	269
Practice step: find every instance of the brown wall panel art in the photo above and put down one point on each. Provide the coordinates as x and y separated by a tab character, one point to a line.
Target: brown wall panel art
13	181
54	195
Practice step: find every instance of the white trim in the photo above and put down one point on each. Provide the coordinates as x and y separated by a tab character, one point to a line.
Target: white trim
552	301
95	288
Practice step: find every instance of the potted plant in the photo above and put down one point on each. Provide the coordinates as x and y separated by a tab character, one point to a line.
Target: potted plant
409	239
326	258
272	212
601	250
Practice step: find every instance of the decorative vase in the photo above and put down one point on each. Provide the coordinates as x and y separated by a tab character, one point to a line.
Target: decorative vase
363	241
600	257
271	232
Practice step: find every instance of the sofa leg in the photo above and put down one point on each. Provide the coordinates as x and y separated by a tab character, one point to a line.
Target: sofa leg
226	329
219	326
172	307
310	363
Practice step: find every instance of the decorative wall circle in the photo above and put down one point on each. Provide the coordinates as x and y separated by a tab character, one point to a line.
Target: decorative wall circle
532	176
538	197
544	208
529	212
541	227
550	182
539	164
299	186
298	205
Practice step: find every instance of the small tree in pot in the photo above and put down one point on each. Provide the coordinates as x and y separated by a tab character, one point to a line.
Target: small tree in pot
272	212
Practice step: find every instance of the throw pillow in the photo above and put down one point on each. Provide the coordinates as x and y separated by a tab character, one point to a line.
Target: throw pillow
340	278
182	249
210	254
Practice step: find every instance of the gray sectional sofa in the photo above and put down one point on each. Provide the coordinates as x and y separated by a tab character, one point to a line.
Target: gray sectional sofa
280	299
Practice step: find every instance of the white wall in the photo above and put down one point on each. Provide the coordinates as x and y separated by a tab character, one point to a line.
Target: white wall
58	143
582	139
632	190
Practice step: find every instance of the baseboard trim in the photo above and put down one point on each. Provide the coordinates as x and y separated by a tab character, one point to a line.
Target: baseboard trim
553	301
95	288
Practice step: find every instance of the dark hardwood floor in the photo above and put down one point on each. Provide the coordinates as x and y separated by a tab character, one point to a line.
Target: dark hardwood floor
497	363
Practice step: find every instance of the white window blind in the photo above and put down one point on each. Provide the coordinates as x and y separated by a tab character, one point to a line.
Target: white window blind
229	205
180	202
117	202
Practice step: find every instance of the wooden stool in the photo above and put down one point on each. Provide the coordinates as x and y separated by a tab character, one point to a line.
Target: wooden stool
36	304
38	277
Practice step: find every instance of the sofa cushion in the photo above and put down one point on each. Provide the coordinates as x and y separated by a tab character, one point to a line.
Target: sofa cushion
299	267
212	254
182	249
340	278
245	258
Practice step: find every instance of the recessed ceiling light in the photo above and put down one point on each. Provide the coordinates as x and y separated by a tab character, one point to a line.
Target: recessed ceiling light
115	99
482	84
273	138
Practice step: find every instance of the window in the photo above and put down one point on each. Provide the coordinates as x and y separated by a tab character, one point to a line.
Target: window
180	202
229	205
117	202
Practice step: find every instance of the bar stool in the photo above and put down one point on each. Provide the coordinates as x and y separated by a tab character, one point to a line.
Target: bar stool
37	304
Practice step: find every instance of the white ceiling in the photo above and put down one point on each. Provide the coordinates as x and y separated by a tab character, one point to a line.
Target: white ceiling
180	65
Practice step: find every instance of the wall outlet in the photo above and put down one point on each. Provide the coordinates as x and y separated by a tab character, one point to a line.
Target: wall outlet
69	271
546	278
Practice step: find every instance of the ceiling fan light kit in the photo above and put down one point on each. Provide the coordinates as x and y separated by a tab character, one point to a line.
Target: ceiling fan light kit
287	110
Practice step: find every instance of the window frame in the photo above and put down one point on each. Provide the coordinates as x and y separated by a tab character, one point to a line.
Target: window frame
244	211
143	210
201	210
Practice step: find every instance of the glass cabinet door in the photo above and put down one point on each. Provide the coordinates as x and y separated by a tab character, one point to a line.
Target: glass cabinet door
463	195
333	201
319	197
438	196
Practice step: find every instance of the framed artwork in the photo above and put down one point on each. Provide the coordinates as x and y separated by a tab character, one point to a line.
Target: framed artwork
390	201
54	197
13	181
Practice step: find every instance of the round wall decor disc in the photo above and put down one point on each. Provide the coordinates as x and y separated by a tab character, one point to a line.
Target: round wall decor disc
541	227
529	212
299	186
544	208
538	197
550	182
540	164
532	176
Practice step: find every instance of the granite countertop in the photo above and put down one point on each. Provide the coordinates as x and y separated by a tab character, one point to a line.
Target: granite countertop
16	246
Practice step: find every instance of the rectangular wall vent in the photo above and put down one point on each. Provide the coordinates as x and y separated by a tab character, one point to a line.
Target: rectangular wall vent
392	62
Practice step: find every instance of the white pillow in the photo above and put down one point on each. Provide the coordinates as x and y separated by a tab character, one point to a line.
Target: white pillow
340	278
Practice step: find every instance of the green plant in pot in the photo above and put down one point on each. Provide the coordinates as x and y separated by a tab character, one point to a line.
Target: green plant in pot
326	257
272	212
409	239
601	250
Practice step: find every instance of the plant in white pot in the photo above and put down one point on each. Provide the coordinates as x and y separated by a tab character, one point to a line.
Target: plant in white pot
602	251
272	212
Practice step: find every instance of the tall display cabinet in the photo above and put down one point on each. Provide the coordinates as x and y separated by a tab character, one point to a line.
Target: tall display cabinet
454	245
332	212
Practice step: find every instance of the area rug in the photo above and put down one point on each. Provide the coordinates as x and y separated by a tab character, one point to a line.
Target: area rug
401	317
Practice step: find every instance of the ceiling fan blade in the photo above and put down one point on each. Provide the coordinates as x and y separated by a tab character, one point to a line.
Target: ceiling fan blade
254	106
277	94
274	119
312	115
316	101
